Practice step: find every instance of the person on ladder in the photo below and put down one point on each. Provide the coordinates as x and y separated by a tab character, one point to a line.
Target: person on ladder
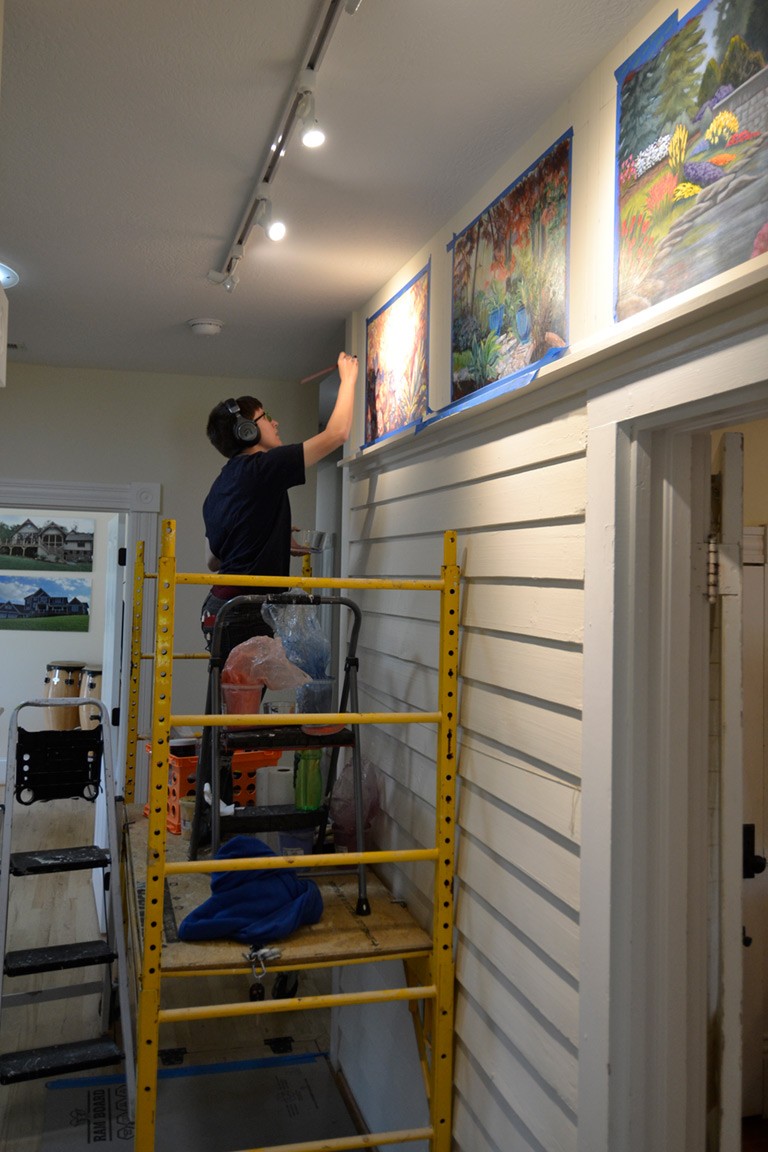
247	512
247	516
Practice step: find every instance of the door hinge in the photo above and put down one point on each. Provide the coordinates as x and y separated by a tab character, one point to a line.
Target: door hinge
122	557
712	566
723	569
115	718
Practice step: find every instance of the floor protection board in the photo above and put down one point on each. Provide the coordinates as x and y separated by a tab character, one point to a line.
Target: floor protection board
213	1108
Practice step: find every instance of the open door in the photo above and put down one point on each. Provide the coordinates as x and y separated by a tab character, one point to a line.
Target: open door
726	800
114	616
114	624
755	883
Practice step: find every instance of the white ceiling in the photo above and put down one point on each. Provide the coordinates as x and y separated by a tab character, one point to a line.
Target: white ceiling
132	133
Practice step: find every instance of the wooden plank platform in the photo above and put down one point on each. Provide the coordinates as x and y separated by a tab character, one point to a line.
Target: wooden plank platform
340	935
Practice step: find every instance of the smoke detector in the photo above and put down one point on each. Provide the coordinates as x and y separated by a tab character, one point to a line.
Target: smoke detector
205	327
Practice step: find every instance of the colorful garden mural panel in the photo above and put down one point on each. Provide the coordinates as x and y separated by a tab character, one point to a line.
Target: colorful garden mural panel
397	360
510	271
692	157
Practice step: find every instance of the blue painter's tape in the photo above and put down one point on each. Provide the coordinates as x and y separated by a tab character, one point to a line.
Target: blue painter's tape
511	383
193	1070
649	48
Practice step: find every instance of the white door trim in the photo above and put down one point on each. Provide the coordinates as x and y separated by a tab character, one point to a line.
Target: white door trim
730	793
755	890
641	980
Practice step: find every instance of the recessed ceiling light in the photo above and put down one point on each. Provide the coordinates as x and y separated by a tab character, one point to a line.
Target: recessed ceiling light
8	278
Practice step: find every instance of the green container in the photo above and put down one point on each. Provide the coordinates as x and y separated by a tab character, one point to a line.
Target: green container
309	781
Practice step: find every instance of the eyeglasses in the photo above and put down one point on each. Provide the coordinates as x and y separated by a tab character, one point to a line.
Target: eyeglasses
264	416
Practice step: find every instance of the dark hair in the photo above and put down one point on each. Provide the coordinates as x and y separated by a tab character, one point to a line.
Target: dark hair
221	425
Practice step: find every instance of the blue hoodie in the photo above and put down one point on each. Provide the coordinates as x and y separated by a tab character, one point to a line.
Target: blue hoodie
255	907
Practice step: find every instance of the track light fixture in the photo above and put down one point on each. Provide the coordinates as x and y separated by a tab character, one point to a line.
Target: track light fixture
228	279
298	111
275	229
312	135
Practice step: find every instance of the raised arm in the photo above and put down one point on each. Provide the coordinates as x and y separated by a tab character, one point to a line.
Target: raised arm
339	426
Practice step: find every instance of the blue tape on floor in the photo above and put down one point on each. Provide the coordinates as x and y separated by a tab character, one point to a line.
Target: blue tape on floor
193	1070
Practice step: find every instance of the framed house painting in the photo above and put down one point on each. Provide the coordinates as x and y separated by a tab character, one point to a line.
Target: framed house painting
45	542
44	557
692	152
397	360
510	273
44	603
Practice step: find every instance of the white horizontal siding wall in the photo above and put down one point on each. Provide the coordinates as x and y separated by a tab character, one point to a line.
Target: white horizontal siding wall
515	493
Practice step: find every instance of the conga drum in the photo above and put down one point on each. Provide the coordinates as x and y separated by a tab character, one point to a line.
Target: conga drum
62	680
90	687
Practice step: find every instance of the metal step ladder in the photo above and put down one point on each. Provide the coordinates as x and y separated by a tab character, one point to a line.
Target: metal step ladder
218	744
48	766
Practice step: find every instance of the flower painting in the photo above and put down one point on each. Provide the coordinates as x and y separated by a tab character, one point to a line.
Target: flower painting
692	160
397	360
510	277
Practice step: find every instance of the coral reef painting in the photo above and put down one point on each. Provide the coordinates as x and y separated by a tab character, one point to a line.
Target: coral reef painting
510	276
397	360
692	156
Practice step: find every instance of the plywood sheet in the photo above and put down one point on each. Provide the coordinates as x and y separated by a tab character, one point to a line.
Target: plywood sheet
339	935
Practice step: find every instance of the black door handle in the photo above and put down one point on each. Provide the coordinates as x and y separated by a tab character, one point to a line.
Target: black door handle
752	863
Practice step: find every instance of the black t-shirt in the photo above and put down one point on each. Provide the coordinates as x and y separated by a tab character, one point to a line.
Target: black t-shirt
247	512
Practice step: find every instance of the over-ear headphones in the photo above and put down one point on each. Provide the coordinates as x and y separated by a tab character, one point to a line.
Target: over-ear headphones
246	431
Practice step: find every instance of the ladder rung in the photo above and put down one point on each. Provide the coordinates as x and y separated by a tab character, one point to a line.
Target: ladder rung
59	860
271	817
55	766
58	956
37	1062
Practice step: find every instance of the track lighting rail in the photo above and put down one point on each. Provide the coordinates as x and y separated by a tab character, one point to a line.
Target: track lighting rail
290	114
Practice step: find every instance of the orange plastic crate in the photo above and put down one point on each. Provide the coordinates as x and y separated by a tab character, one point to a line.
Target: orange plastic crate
182	774
244	768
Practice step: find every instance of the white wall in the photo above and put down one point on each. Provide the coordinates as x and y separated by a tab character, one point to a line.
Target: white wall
511	477
106	427
755	469
591	112
515	490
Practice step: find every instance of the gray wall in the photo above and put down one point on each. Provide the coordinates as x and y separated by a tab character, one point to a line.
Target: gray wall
106	427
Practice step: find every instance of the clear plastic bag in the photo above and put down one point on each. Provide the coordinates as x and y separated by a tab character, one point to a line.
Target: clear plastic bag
342	809
298	626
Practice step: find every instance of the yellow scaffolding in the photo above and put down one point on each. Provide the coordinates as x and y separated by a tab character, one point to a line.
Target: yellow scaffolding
429	972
